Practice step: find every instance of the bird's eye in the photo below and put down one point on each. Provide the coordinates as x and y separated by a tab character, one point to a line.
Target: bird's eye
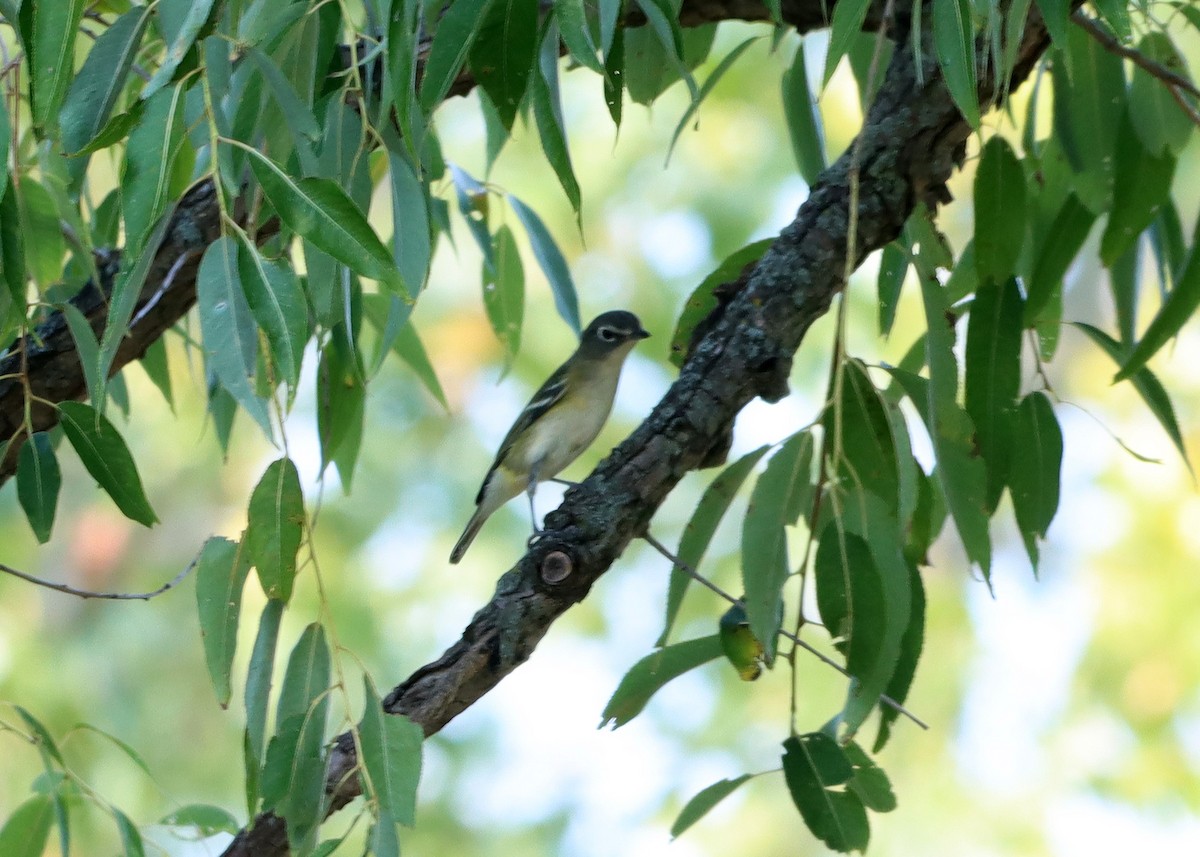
607	334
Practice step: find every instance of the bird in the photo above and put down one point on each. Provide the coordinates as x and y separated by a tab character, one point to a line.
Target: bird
561	420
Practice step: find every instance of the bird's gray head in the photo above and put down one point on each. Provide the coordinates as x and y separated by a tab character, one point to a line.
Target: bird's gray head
611	331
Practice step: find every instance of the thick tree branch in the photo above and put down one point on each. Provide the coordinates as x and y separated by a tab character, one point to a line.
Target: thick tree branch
912	140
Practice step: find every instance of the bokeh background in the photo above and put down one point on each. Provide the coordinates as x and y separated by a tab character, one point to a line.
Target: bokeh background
1064	710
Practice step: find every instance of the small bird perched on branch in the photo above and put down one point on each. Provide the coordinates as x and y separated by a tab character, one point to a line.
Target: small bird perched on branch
561	420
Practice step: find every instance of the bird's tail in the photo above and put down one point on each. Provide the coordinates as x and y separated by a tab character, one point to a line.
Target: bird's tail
468	535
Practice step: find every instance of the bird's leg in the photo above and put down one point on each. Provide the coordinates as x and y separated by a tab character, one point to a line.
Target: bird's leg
566	482
530	489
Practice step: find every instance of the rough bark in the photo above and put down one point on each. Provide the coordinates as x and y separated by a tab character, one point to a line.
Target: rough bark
912	140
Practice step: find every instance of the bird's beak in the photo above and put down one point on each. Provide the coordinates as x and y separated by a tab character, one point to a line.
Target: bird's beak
641	334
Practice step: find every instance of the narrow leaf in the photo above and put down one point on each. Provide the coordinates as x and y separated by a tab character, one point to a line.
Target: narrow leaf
649	675
504	293
551	261
848	17
95	90
1037	471
713	79
1141	186
275	528
1147	385
221	571
391	748
704	300
278	306
182	39
781	493
993	379
999	211
52	55
954	43
502	53
698	533
27	830
452	41
227	328
321	212
703	801
105	455
805	126
38	483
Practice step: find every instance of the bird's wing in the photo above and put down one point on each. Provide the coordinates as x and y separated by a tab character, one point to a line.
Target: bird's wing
547	396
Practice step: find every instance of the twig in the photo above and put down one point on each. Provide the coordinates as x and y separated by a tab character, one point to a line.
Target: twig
1152	67
1184	105
823	658
112	596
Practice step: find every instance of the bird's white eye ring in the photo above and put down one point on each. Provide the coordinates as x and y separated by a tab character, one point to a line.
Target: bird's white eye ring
607	334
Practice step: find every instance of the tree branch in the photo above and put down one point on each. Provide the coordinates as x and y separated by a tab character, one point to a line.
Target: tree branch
1152	67
911	142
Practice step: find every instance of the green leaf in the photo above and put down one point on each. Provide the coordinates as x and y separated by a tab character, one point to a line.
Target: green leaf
1089	102
411	245
258	679
999	211
189	16
27	830
701	303
87	347
504	293
576	34
5	138
993	378
52	56
853	605
391	752
1124	282
1147	385
221	571
712	80
869	783
382	837
893	268
848	17
703	801
408	346
614	76
547	112
781	493
319	211
551	261
275	527
1176	310
12	245
1141	186
698	533
805	126
649	674
40	233
954	43
340	401
1054	13
664	20
278	306
911	645
96	89
813	765
227	327
456	32
963	478
296	113
38	483
107	458
860	430
206	819
42	739
294	773
149	159
1037	471
1158	119
131	837
1068	231
502	53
